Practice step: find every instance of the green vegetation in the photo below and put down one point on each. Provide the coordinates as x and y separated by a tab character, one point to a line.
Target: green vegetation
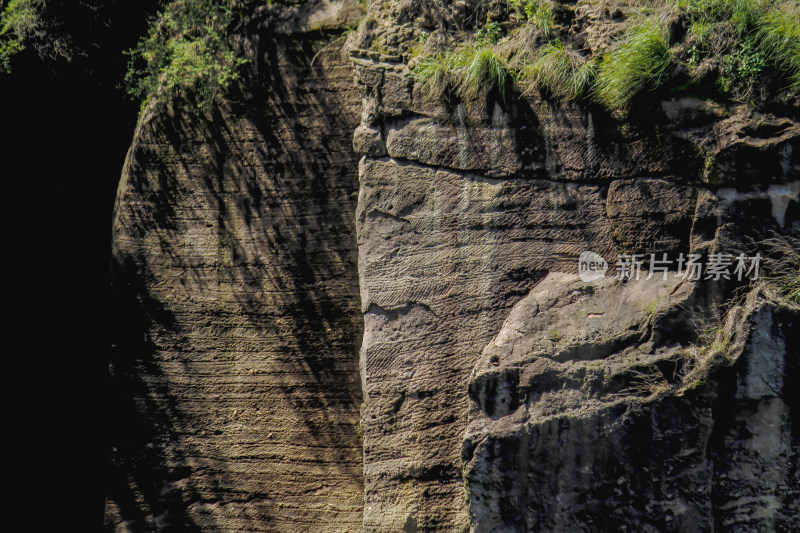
742	67
560	71
778	35
490	33
782	266
740	13
748	38
537	12
481	68
468	70
747	47
790	287
433	73
18	21
185	54
640	60
554	335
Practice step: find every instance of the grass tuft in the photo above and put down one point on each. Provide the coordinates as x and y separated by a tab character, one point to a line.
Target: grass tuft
641	59
560	71
481	69
782	266
778	37
468	71
434	72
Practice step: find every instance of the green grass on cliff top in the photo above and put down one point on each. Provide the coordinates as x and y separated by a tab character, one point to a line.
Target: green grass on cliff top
744	43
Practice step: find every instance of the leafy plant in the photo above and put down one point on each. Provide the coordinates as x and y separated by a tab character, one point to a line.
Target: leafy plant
560	71
490	33
185	54
537	12
641	59
18	21
746	36
742	67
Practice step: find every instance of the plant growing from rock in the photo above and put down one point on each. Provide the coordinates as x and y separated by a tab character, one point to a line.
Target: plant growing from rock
537	12
640	60
185	54
468	70
560	71
19	20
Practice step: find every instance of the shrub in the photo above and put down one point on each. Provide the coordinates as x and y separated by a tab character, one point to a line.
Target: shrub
185	54
18	21
641	59
560	71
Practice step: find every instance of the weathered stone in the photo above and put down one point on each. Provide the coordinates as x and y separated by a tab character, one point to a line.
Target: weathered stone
750	147
651	215
575	425
500	392
235	383
369	141
456	146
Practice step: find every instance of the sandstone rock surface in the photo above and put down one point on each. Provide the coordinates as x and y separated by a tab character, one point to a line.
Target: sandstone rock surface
235	379
351	307
581	430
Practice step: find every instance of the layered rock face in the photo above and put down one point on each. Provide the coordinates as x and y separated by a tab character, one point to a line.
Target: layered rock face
235	380
461	212
575	428
496	390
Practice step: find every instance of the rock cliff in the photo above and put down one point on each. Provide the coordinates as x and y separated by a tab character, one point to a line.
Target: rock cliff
350	306
235	376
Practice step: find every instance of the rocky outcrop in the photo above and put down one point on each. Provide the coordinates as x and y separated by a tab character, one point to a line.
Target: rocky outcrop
466	207
576	424
332	205
235	379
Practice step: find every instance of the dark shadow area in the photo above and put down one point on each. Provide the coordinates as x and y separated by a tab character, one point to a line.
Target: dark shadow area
66	128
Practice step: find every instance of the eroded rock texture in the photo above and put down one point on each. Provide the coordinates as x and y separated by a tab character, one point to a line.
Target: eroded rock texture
500	393
463	208
574	426
235	378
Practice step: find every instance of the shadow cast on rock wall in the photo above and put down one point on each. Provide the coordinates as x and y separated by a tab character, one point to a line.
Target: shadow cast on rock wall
234	382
